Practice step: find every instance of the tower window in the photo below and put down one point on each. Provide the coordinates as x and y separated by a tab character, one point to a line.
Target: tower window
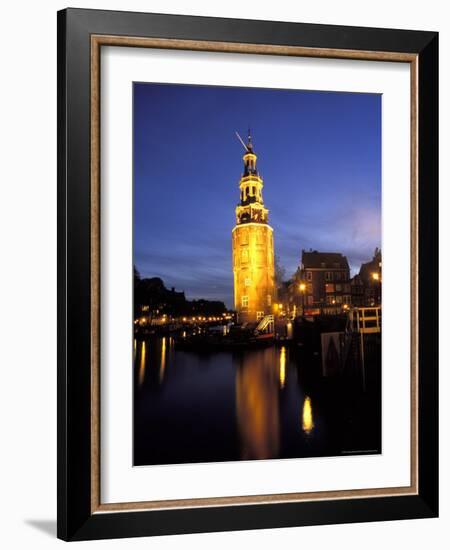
247	281
244	301
269	300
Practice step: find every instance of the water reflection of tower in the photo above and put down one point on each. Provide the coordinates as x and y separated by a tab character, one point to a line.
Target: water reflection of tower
257	407
253	250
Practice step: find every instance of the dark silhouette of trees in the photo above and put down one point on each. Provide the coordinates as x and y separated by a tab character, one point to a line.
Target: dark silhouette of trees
153	295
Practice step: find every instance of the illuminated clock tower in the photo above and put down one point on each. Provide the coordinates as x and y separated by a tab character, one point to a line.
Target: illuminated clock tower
253	256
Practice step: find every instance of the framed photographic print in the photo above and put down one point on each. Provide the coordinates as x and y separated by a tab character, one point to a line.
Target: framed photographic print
247	274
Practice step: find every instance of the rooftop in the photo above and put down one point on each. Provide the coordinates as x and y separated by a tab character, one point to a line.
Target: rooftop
324	260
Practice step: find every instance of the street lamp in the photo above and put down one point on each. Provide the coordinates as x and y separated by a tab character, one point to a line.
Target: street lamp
376	276
302	288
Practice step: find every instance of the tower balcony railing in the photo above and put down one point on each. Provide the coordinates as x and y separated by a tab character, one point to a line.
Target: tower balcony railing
251	177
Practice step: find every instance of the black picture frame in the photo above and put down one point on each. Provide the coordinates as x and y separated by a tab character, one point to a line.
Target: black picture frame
75	518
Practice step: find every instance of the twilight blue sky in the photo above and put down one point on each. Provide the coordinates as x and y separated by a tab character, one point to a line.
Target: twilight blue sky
319	154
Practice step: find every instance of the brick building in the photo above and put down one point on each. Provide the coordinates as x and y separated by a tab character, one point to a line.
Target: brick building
370	275
357	291
321	284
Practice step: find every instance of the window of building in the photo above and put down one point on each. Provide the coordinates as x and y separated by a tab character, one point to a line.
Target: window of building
339	299
338	288
328	276
259	315
244	255
247	281
331	299
329	287
337	276
260	257
310	300
346	299
309	275
244	301
269	300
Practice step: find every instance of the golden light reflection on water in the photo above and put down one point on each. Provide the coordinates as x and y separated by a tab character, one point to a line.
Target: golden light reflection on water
134	349
142	363
257	406
307	416
282	367
162	366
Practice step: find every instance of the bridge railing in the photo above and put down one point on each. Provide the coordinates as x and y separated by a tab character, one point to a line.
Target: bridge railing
267	322
365	320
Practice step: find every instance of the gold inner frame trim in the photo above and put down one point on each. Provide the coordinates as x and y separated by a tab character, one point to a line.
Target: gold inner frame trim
97	41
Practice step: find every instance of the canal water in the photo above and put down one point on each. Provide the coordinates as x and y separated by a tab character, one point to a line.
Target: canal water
255	404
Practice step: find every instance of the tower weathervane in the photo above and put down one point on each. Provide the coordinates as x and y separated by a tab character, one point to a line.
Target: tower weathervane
242	141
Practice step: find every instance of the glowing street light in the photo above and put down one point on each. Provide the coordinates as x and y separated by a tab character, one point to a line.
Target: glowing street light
302	288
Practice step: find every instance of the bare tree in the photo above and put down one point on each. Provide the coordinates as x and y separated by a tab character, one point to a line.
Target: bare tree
280	272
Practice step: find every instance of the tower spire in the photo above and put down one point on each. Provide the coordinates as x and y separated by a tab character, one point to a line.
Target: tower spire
249	157
249	140
251	208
